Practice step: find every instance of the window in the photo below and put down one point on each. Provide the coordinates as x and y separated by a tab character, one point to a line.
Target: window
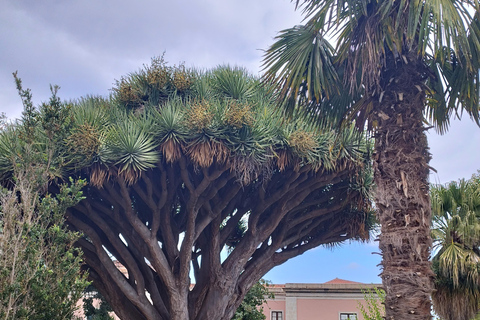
277	315
348	316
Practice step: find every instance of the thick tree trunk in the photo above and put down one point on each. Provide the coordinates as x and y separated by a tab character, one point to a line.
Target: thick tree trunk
178	307
177	216
402	195
213	307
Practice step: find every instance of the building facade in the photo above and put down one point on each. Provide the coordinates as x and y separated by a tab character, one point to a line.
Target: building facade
334	300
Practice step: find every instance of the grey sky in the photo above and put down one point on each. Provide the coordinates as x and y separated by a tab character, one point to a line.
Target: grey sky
84	45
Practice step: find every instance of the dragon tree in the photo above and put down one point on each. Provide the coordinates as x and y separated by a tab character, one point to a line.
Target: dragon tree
196	186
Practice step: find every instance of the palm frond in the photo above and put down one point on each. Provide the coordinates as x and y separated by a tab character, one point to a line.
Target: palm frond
168	129
455	304
456	84
456	235
92	110
201	87
300	63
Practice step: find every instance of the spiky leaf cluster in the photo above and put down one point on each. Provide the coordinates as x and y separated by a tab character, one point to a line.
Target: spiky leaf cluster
172	182
456	234
153	84
227	118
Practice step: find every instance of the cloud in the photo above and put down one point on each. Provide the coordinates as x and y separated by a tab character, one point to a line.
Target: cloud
455	154
84	45
353	266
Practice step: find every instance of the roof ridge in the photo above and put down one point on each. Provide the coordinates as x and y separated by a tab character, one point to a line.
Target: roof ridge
341	281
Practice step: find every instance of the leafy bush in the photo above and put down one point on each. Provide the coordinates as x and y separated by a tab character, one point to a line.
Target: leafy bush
374	308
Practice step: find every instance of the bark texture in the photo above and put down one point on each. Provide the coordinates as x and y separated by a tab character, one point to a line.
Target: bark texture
177	217
402	196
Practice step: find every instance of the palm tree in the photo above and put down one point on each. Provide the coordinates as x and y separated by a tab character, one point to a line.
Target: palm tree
456	235
395	63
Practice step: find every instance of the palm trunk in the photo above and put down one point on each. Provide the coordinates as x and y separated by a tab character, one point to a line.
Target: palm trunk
402	195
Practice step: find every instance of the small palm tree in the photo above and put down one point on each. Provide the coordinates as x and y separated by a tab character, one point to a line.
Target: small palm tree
456	235
395	63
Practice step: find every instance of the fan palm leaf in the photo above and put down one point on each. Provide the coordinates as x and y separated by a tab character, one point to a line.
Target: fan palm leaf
456	235
394	63
301	64
367	31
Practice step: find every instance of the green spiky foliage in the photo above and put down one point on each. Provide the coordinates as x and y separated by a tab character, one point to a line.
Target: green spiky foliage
456	235
153	84
176	176
395	65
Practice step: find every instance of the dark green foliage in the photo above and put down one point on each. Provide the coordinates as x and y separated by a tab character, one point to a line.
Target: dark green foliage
209	116
91	312
250	307
40	275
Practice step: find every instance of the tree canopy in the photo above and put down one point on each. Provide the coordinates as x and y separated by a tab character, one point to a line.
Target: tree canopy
180	165
456	235
394	64
40	267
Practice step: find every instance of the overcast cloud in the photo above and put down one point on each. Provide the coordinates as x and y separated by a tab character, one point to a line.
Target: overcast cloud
84	45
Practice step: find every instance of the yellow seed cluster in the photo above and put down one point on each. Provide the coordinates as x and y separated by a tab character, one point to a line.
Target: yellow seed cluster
238	114
302	141
158	76
199	116
85	141
125	92
158	73
182	80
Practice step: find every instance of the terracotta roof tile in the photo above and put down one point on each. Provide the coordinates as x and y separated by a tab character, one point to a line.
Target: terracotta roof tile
341	281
